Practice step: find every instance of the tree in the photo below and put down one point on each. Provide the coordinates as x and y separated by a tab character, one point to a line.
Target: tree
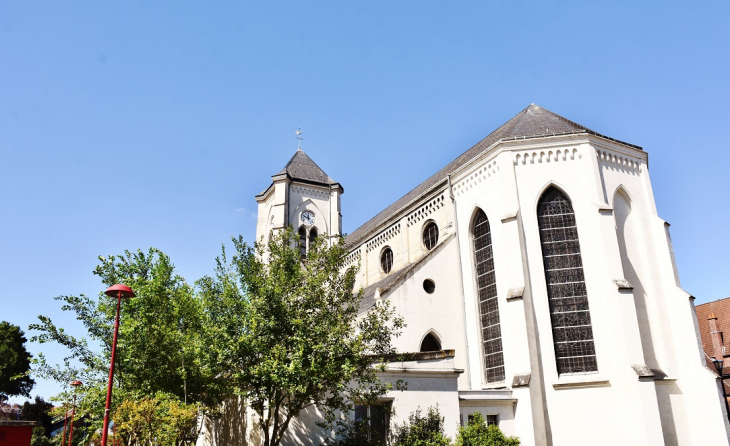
422	430
161	420
39	437
159	347
289	333
15	363
477	433
39	410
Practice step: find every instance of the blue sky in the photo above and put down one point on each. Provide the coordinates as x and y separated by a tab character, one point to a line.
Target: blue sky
134	124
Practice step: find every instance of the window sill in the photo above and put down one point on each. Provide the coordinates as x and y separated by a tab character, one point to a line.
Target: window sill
580	382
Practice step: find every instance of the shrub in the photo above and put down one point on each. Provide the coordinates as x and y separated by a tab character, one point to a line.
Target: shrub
477	433
421	430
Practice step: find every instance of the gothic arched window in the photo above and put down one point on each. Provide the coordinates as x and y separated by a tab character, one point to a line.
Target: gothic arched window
430	344
569	315
303	241
487	293
312	237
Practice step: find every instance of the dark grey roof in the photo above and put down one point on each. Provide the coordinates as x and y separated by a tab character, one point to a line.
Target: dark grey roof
301	167
532	122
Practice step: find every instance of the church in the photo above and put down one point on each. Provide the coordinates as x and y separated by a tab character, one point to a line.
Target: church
538	285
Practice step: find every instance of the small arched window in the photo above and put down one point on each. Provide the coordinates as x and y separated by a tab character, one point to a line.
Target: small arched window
312	237
488	302
303	241
430	344
566	286
430	235
386	259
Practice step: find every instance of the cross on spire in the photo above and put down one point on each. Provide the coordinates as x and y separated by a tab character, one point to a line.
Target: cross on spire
299	139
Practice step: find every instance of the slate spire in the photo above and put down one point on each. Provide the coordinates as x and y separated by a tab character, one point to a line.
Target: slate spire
301	167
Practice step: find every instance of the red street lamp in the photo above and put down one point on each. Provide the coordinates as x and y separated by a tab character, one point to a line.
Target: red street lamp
120	292
76	384
65	420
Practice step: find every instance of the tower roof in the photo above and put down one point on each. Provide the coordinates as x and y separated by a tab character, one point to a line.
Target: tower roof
532	122
301	167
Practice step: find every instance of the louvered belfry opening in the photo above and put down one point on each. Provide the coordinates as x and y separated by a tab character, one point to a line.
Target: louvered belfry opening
488	305
571	320
303	242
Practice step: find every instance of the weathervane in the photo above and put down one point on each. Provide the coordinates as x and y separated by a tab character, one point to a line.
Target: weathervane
299	138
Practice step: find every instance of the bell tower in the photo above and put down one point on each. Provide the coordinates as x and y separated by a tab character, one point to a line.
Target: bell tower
302	196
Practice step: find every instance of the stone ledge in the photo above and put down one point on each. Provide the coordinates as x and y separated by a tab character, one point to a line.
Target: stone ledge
515	293
522	380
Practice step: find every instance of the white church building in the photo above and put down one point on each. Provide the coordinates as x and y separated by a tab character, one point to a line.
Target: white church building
538	285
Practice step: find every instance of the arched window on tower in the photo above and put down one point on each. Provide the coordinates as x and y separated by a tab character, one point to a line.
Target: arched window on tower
569	315
430	344
312	237
487	293
303	241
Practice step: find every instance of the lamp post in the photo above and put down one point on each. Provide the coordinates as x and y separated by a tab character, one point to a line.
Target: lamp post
65	420
719	363
76	384
120	292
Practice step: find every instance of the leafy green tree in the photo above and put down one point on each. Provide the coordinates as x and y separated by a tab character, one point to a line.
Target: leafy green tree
15	363
159	347
39	410
288	331
40	438
162	420
422	430
477	433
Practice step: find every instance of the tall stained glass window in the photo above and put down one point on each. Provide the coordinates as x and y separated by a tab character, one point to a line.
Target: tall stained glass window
569	315
487	294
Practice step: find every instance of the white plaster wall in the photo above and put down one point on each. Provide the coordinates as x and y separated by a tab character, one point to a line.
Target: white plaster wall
504	411
426	390
316	200
440	312
405	237
652	325
574	173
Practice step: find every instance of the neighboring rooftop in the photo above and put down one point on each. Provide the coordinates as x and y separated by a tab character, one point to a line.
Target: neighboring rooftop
532	122
721	310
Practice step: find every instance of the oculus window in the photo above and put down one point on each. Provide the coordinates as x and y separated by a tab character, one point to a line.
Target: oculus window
429	286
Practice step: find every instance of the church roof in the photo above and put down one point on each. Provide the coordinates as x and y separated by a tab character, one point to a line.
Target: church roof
301	167
532	122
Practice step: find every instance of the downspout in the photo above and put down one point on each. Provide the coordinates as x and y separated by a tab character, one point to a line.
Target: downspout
461	273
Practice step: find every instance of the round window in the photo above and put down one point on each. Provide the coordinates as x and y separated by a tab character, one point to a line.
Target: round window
429	286
430	235
386	260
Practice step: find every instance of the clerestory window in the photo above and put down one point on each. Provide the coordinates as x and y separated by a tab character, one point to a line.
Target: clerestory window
568	298
386	259
430	235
